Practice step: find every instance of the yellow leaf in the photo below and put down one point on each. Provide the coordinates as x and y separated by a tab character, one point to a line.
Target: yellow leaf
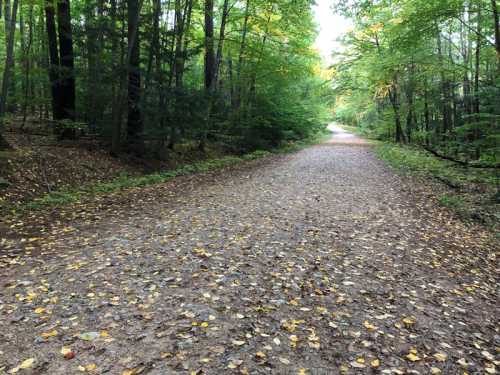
302	371
441	357
260	355
134	371
369	326
204	324
409	321
413	357
52	333
375	363
360	360
65	350
27	363
40	310
90	367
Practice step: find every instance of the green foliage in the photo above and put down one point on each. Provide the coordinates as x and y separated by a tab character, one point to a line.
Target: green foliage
451	201
414	160
269	90
473	192
423	65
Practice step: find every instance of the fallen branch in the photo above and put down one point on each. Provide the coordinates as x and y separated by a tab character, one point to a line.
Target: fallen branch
461	162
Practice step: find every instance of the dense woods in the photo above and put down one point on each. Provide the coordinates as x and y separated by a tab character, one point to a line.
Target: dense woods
424	72
148	75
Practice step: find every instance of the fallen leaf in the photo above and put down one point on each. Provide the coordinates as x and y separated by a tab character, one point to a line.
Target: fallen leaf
441	357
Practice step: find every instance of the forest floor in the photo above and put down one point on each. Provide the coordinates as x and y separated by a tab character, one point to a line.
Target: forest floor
322	261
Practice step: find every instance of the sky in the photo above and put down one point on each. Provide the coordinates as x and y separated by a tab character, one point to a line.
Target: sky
331	27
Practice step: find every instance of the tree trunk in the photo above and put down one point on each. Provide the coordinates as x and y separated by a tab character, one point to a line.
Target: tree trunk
426	113
478	65
8	14
27	66
209	45
218	59
92	98
445	89
410	116
209	68
53	61
477	99
179	30
67	74
7	71
116	90
239	65
396	106
134	122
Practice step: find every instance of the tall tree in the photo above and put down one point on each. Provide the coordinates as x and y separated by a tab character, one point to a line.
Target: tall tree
7	73
67	74
135	140
209	45
50	24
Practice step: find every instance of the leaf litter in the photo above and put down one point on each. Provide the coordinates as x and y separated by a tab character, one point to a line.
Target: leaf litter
319	260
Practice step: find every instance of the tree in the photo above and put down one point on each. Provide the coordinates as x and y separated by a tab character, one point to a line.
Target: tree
430	61
7	73
66	74
134	119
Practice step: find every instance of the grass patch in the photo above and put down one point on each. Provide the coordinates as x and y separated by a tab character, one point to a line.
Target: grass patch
473	190
451	201
68	196
414	160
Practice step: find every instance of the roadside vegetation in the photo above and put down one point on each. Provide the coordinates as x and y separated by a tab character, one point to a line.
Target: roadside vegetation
472	193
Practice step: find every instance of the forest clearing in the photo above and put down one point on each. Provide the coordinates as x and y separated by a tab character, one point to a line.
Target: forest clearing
249	187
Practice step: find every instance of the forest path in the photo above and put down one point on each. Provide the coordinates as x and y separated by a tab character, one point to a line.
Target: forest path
318	262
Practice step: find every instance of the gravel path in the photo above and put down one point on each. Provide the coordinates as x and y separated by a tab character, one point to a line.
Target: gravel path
318	262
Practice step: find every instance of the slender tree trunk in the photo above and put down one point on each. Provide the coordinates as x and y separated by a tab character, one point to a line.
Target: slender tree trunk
57	113
410	116
93	82
222	30
7	71
478	65
67	74
239	65
209	45
7	21
426	112
185	40
7	24
155	40
116	90
27	66
477	101
444	88
179	30
134	123
396	106
209	68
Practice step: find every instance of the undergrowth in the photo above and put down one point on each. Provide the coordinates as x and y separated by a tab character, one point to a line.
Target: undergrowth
473	192
70	195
